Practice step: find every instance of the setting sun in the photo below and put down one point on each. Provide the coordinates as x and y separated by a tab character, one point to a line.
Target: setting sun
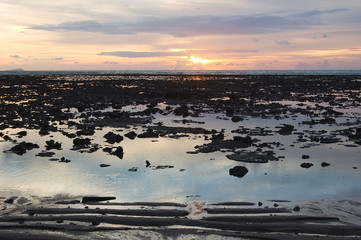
196	60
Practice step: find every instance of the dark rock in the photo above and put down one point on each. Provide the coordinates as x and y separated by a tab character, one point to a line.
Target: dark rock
131	135
333	112
325	164
236	119
7	138
329	140
306	165
96	221
9	201
238	171
162	167
81	142
108	149
133	169
148	134
22	147
229	112
113	138
217	136
96	199
45	154
147	163
253	157
296	209
118	152
181	111
247	141
260	204
86	130
305	156
66	202
64	160
327	120
286	129
104	165
22	134
51	144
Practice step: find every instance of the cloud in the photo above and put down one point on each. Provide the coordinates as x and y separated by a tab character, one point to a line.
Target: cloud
131	54
187	65
15	56
110	63
57	59
307	14
283	42
313	66
199	25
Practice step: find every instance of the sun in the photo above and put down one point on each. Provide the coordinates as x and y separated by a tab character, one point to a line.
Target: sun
196	60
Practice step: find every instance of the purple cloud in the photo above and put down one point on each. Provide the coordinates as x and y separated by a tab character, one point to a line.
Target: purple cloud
185	26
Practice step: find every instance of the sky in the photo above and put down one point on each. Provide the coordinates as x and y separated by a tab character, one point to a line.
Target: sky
180	35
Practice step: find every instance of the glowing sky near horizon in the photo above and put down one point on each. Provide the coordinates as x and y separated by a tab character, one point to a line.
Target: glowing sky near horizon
176	35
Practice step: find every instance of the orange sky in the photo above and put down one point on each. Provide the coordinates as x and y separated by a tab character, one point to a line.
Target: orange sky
169	35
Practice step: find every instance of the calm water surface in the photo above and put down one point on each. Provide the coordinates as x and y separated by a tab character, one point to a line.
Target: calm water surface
202	176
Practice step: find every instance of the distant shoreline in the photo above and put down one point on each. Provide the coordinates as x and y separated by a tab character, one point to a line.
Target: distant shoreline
182	72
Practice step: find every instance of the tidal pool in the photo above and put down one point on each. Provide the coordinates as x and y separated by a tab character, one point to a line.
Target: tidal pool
177	175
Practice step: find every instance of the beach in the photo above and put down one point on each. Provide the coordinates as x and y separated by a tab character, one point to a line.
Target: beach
181	156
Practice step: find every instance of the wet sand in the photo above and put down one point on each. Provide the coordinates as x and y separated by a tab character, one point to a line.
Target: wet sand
35	102
64	217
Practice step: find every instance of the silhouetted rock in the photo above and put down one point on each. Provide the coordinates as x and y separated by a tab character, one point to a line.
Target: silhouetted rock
22	147
305	156
64	160
115	151
236	119
306	165
86	130
296	209
10	200
329	140
325	164
247	141
45	154
131	135
181	111
81	142
238	171
253	157
149	134
286	129
51	144
113	138
22	134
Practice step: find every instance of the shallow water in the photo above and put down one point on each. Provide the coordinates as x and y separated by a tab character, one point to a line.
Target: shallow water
188	177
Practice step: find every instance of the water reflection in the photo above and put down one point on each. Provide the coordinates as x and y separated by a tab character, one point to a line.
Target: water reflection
203	176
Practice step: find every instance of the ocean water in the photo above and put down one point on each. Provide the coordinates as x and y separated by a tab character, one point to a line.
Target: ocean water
188	72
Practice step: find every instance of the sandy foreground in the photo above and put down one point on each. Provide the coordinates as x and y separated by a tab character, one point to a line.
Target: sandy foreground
65	217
